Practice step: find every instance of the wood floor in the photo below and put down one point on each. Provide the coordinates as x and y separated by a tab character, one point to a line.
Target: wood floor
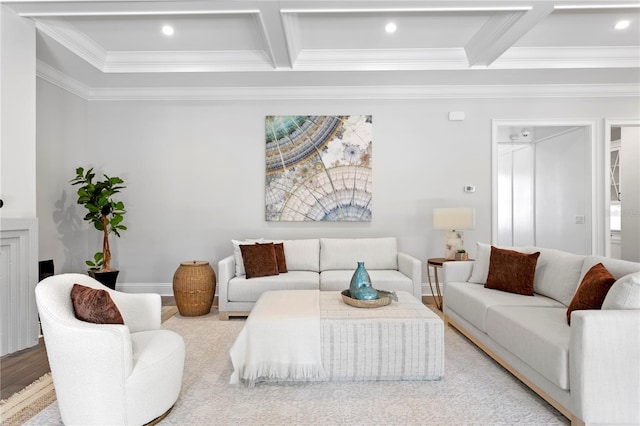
20	369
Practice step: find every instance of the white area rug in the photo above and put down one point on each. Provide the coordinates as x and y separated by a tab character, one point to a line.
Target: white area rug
475	390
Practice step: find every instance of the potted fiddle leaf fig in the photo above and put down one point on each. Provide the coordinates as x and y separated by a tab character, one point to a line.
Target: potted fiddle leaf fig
106	214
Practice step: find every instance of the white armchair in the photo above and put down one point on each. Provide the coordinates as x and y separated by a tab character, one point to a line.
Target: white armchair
109	374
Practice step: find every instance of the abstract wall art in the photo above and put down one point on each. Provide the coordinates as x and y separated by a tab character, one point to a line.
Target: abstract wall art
318	168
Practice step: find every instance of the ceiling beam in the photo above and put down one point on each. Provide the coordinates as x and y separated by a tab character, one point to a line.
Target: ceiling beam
272	26
37	9
501	32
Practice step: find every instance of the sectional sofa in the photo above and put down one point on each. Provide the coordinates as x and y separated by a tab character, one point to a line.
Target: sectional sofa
325	263
589	370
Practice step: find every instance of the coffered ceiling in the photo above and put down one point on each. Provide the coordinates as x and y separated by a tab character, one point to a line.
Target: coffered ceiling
269	43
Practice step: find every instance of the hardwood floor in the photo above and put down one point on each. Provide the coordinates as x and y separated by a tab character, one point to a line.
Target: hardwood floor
20	369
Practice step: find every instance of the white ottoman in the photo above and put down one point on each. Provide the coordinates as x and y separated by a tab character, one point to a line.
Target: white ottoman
401	341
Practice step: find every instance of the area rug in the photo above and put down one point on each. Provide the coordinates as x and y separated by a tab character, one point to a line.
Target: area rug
23	405
475	390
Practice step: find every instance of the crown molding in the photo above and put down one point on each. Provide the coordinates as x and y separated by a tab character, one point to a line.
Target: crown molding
57	78
211	61
570	57
456	59
73	40
380	59
367	92
53	76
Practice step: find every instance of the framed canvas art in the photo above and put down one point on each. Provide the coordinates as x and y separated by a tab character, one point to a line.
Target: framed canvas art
318	168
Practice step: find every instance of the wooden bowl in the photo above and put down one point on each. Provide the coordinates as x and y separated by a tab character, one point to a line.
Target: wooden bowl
381	301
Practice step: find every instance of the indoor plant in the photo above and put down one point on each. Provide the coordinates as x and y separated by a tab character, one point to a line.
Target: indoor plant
462	255
105	213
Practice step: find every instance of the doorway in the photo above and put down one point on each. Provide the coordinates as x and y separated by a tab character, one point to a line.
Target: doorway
622	141
544	185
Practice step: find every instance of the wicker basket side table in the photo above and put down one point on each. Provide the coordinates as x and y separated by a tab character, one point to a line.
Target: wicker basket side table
194	284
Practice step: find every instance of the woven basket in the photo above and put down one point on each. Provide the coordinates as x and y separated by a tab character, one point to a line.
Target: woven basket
194	285
382	301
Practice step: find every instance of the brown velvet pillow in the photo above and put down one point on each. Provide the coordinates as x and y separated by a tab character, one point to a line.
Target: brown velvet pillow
259	260
94	305
512	271
592	290
280	257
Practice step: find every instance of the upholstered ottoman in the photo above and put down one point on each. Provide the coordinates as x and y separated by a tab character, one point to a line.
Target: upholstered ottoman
314	335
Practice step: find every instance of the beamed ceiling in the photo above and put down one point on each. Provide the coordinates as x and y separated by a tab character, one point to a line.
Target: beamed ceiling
100	48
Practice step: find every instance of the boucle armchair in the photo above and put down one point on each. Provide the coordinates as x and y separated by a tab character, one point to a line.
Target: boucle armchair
107	373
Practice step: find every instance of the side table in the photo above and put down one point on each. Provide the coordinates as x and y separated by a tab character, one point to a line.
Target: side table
194	285
436	263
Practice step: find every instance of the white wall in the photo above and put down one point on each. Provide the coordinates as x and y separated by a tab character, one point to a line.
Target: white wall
62	145
195	172
17	115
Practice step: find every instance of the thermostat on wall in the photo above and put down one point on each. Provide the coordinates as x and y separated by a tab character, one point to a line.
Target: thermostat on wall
469	188
456	116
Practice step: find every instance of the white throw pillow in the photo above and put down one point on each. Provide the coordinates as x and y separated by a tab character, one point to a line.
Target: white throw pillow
624	293
480	269
237	254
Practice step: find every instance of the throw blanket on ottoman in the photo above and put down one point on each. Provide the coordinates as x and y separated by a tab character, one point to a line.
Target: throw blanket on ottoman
400	341
281	338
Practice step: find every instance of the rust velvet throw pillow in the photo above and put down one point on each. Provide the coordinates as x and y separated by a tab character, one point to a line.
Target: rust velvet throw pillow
259	260
592	290
280	257
512	271
94	305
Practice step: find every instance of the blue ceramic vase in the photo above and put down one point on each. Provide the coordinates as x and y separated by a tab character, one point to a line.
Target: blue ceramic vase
360	287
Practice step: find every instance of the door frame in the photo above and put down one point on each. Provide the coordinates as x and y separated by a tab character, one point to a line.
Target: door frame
598	182
608	124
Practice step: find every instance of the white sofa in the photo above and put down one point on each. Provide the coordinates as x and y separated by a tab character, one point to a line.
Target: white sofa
590	370
326	264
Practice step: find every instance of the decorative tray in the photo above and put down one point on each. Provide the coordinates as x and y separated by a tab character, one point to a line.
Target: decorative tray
384	299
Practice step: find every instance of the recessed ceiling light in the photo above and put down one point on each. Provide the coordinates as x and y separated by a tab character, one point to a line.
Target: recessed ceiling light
390	28
167	30
621	25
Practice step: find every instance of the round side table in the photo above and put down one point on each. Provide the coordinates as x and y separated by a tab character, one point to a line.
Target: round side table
436	263
194	285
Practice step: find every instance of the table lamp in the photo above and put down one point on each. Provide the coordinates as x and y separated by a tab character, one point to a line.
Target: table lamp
453	220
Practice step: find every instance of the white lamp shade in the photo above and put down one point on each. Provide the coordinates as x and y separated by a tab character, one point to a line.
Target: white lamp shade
454	218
